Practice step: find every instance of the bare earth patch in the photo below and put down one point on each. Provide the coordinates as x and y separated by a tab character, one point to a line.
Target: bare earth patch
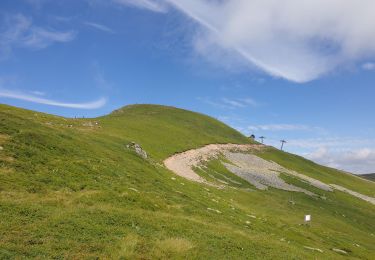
257	171
182	164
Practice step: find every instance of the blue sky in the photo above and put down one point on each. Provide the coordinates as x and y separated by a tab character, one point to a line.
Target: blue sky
290	72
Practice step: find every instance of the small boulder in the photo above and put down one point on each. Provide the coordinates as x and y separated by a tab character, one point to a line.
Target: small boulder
138	149
314	249
340	251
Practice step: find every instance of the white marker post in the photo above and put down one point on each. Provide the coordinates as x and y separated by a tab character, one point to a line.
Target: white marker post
307	219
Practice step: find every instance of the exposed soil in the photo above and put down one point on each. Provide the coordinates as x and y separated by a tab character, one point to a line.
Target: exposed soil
257	171
182	164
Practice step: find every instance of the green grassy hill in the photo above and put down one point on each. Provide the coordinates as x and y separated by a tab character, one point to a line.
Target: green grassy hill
69	188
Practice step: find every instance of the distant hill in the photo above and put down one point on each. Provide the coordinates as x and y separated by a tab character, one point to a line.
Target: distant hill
75	189
370	176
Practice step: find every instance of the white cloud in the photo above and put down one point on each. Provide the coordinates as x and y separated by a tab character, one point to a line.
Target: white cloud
368	66
230	103
356	161
36	3
356	155
281	127
99	77
296	40
37	99
151	5
338	143
63	19
20	32
39	38
100	27
38	93
240	102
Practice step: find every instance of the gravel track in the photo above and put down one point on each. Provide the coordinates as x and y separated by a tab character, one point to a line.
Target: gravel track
257	171
182	164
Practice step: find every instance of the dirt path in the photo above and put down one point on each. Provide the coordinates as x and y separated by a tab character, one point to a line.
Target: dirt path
259	172
182	164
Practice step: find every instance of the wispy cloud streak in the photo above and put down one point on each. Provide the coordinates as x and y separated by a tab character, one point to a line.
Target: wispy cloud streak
282	127
230	103
37	99
19	32
151	5
368	66
99	27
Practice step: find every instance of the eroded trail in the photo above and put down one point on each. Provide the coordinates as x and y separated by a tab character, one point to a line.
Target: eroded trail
182	164
257	171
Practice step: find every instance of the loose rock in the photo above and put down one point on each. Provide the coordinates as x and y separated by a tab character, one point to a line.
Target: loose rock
314	249
339	251
215	210
138	149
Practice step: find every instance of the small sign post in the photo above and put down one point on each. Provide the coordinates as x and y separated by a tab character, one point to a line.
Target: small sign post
307	219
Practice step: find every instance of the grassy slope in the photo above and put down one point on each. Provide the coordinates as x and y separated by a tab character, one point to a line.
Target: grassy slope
370	176
74	191
163	131
325	174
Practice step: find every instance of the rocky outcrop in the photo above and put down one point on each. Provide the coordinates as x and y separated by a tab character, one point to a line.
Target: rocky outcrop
137	149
